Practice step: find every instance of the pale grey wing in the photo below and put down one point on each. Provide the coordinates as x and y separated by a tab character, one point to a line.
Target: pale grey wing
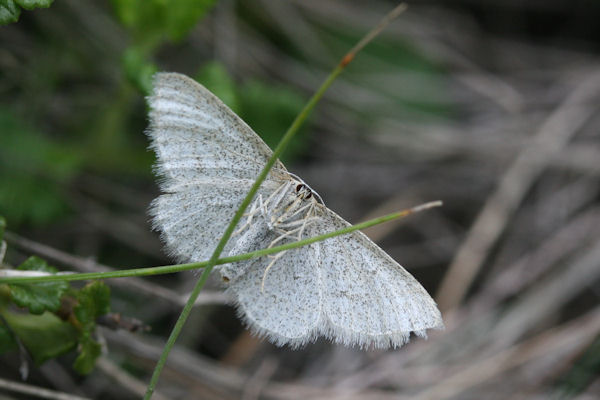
196	136
287	308
193	218
207	159
368	298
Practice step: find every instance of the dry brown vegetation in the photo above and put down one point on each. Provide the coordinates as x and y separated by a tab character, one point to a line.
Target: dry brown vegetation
504	130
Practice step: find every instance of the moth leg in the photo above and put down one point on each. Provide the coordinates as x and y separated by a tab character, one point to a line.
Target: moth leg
276	257
286	214
283	189
300	222
298	211
263	206
269	206
283	236
298	230
301	225
273	261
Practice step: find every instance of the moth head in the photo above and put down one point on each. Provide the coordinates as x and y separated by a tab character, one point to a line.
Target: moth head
303	191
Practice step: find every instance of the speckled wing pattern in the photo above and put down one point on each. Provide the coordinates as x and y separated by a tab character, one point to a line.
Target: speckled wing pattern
207	160
368	298
345	288
285	305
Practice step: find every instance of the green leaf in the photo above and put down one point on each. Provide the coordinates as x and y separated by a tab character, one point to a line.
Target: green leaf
45	336
215	77
31	4
9	12
94	301
38	297
89	351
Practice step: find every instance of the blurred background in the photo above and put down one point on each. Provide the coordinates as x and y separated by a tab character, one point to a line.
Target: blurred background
491	106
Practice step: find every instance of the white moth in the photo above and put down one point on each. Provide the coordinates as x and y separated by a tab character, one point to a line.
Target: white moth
345	288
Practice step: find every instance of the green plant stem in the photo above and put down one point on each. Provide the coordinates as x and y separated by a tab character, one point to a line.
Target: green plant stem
168	269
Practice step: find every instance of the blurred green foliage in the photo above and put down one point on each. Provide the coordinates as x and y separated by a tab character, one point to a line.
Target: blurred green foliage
60	318
215	78
395	61
7	341
269	110
10	10
138	69
151	21
2	228
33	172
